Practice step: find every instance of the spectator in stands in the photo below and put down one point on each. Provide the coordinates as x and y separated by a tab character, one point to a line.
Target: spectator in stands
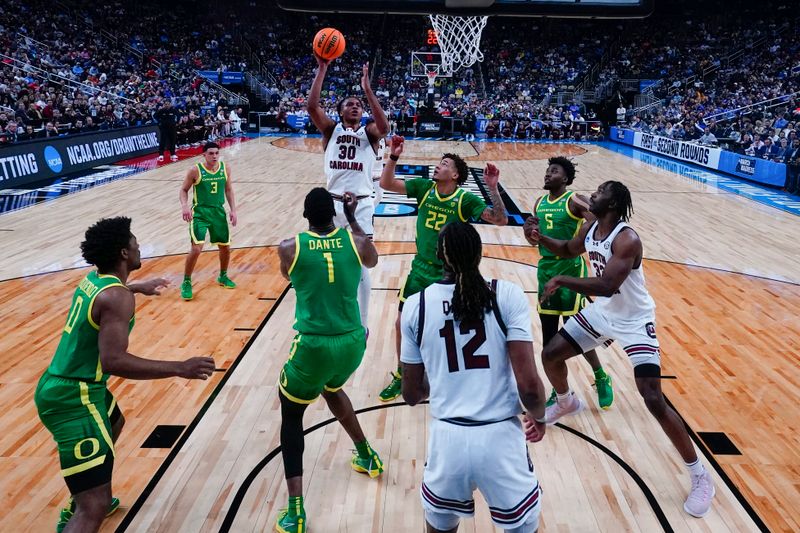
768	150
49	131
708	138
783	147
89	125
621	111
27	135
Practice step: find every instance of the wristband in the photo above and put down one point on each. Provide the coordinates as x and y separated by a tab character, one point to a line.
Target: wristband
394	157
542	421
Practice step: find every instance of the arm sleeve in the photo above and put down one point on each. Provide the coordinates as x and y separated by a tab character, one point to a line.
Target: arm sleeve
515	311
471	206
409	323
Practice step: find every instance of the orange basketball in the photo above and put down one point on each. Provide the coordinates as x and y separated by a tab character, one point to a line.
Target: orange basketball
328	43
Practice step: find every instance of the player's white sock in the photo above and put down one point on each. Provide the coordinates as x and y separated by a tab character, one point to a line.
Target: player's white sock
696	468
364	289
564	398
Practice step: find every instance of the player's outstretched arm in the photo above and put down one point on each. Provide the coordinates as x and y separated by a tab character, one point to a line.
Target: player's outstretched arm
364	245
565	249
379	128
286	253
321	120
230	196
151	287
183	195
627	250
497	213
388	180
112	310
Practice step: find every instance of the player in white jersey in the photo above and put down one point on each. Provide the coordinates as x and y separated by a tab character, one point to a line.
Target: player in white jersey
622	311
473	340
350	151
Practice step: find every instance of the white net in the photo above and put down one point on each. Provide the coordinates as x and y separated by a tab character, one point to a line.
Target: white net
459	38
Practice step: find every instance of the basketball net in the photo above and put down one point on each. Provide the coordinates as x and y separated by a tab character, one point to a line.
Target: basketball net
460	40
432	78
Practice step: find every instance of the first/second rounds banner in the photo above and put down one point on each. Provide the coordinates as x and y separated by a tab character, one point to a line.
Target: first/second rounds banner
43	159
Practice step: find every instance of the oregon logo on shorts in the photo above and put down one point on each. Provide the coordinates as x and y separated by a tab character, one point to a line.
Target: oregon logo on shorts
398	205
86	448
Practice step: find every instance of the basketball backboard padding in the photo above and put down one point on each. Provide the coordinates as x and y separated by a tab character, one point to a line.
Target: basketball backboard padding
612	9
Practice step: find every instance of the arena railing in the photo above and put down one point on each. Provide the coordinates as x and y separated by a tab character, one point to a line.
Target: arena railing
746	110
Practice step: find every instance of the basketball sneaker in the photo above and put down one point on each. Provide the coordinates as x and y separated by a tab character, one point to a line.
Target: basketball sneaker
225	281
552	399
173	158
186	289
69	510
605	394
161	159
393	389
570	406
370	465
294	523
699	501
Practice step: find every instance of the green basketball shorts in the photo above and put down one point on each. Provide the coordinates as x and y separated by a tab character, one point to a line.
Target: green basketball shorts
321	362
564	302
211	220
80	416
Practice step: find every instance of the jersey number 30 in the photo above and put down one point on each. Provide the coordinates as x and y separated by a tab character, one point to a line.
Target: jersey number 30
468	351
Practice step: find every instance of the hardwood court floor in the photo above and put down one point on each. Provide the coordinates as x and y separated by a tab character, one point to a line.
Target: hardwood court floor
729	339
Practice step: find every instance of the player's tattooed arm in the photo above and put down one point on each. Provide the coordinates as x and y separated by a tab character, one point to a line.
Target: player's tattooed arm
497	213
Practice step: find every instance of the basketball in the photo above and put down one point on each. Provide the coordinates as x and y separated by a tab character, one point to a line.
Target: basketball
328	43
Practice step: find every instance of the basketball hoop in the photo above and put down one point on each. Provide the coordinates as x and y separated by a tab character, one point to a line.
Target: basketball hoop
432	78
459	38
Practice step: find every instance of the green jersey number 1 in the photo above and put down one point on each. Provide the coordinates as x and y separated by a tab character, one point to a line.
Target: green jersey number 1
329	258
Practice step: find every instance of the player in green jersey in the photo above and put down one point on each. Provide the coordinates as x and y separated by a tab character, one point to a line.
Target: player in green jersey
439	201
324	266
560	214
72	399
212	185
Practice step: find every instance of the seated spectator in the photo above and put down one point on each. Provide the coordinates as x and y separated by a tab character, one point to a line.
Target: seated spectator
708	138
49	131
768	150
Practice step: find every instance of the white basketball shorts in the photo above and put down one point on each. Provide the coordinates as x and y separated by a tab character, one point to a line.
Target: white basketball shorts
491	458
590	328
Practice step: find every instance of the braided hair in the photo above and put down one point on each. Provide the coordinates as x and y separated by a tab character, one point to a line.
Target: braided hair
105	241
460	250
622	198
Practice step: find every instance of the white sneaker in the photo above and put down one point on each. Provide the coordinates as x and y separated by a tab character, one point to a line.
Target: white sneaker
160	158
699	501
560	409
173	158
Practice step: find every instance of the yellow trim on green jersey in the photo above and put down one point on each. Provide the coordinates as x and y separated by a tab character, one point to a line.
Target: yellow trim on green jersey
296	253
95	415
569	212
546	197
219	163
295	399
458	188
91	302
77	469
355	248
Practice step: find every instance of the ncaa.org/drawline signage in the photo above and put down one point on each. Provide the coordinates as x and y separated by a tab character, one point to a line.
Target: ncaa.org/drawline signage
43	159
